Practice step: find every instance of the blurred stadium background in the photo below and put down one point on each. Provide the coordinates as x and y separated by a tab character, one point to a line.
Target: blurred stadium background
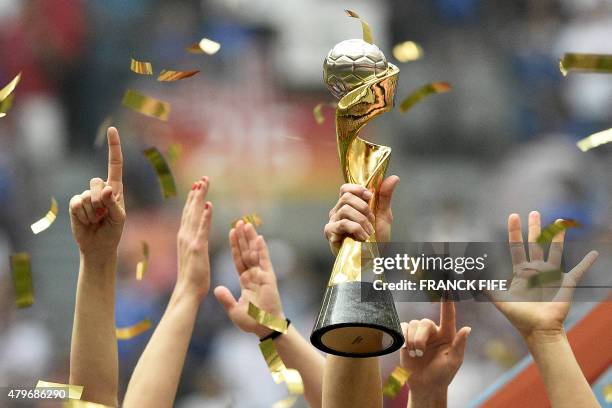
502	140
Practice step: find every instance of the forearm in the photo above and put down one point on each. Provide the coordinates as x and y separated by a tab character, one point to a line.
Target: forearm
558	367
93	354
351	382
156	376
299	354
431	398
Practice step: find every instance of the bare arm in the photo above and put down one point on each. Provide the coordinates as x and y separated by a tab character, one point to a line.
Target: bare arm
352	382
97	217
258	285
157	374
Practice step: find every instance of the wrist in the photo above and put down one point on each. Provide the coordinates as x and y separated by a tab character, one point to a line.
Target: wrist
427	396
189	293
99	261
539	337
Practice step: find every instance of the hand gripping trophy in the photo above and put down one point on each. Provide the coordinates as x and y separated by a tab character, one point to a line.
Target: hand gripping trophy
357	73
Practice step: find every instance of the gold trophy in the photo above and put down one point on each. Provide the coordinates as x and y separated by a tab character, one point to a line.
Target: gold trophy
358	74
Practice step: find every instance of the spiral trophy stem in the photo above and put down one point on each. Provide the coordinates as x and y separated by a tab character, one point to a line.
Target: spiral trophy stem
347	325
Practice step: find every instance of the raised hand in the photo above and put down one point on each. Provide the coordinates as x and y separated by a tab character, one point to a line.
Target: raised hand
257	280
192	241
533	310
351	216
97	215
433	353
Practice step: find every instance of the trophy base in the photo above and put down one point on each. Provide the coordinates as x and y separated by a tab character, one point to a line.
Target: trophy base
349	326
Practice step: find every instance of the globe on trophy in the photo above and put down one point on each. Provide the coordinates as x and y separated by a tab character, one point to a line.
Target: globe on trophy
350	323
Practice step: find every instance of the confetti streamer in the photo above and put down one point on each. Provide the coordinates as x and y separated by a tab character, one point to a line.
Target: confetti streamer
280	373
174	153
407	51
428	89
170	76
164	175
126	333
599	63
142	266
544	278
74	391
285	403
317	111
549	232
365	27
22	279
141	67
205	46
83	404
46	221
146	105
264	318
101	132
395	381
607	393
594	140
249	219
6	105
9	88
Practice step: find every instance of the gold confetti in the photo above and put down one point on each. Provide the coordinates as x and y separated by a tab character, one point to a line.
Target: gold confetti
549	232
205	46
141	67
280	373
174	153
74	391
264	318
428	89
600	63
6	105
407	51
22	279
46	221
544	278
83	404
126	333
285	403
607	392
365	27
249	219
395	381
101	132
9	88
164	175
594	140
498	352
317	111
142	266
146	105
169	75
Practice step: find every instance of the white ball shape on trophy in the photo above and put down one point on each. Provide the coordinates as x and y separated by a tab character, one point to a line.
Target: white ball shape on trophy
352	63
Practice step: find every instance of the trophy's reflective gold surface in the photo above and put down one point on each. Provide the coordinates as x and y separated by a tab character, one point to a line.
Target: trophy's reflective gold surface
358	74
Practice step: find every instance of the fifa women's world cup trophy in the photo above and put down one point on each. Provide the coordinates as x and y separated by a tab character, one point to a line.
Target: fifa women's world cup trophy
357	73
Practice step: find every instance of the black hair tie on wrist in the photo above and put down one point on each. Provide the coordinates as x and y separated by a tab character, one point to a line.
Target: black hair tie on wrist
275	333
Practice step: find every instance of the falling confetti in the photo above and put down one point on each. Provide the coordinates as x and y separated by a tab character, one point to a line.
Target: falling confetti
141	67
46	221
594	140
22	279
174	153
599	63
142	266
365	27
317	111
395	381
146	105
6	105
549	232
279	372
126	333
170	76
6	95
164	175
249	219
205	46
101	132
544	278
407	51
268	320
74	391
428	89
